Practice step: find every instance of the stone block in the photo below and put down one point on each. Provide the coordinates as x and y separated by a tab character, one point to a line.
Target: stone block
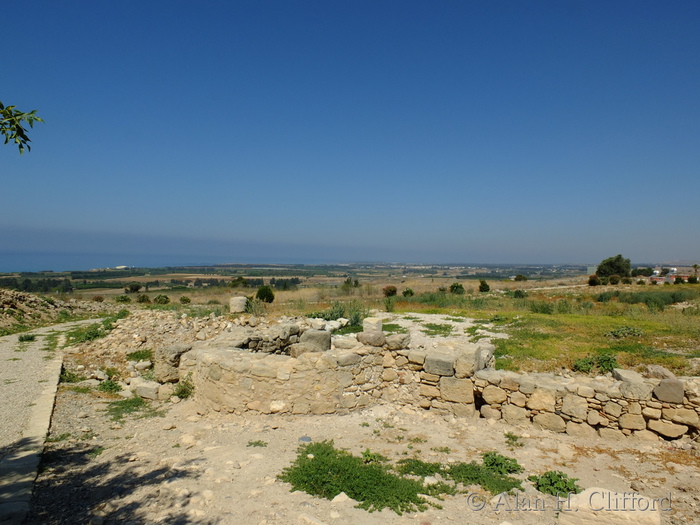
594	418
374	338
316	340
632	422
167	361
636	390
513	414
612	409
541	400
684	416
348	359
669	430
416	357
581	430
575	406
669	391
143	388
585	391
372	324
622	374
493	395
398	341
389	374
549	421
439	364
518	399
488	412
651	413
659	372
610	434
429	391
237	305
456	390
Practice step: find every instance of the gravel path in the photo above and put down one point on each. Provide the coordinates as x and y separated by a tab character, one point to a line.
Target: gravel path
24	372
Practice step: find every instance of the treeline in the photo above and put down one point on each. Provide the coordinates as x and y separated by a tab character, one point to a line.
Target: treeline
37	285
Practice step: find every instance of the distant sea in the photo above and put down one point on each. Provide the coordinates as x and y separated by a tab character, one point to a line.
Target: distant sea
61	261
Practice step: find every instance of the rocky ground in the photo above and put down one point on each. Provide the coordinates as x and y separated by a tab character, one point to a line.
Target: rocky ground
174	463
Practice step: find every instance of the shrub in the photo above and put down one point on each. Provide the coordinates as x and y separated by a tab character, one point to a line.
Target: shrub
265	294
161	299
25	338
457	288
520	277
185	300
143	298
185	388
122	299
484	286
692	279
254	306
541	307
594	280
389	291
678	280
110	386
617	265
409	293
641	282
556	483
519	294
614	279
626	280
98	298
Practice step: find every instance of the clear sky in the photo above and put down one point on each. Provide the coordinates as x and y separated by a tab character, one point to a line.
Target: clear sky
338	131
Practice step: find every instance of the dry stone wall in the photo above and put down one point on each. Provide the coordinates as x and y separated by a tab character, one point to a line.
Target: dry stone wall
459	379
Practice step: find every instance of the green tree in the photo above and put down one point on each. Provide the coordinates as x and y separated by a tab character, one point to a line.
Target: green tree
617	265
457	288
265	294
484	286
389	291
12	125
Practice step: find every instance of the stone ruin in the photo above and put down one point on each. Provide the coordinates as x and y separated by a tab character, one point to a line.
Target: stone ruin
301	368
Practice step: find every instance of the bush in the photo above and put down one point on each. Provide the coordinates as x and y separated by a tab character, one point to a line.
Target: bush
678	280
185	388
143	298
409	293
457	288
692	280
265	294
161	299
110	386
122	299
520	277
626	280
614	279
98	298
641	282
25	338
484	286
389	291
555	483
617	265
185	300
519	294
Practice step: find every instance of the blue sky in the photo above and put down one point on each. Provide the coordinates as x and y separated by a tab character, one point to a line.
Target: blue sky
314	131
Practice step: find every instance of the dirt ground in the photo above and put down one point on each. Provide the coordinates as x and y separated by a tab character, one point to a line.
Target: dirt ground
181	466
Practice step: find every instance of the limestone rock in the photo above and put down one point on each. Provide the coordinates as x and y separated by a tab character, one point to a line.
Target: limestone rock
439	364
143	388
581	430
513	414
669	391
636	390
373	338
659	372
457	390
541	400
575	406
622	374
549	421
316	340
167	360
494	395
237	304
398	341
372	324
669	430
632	422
